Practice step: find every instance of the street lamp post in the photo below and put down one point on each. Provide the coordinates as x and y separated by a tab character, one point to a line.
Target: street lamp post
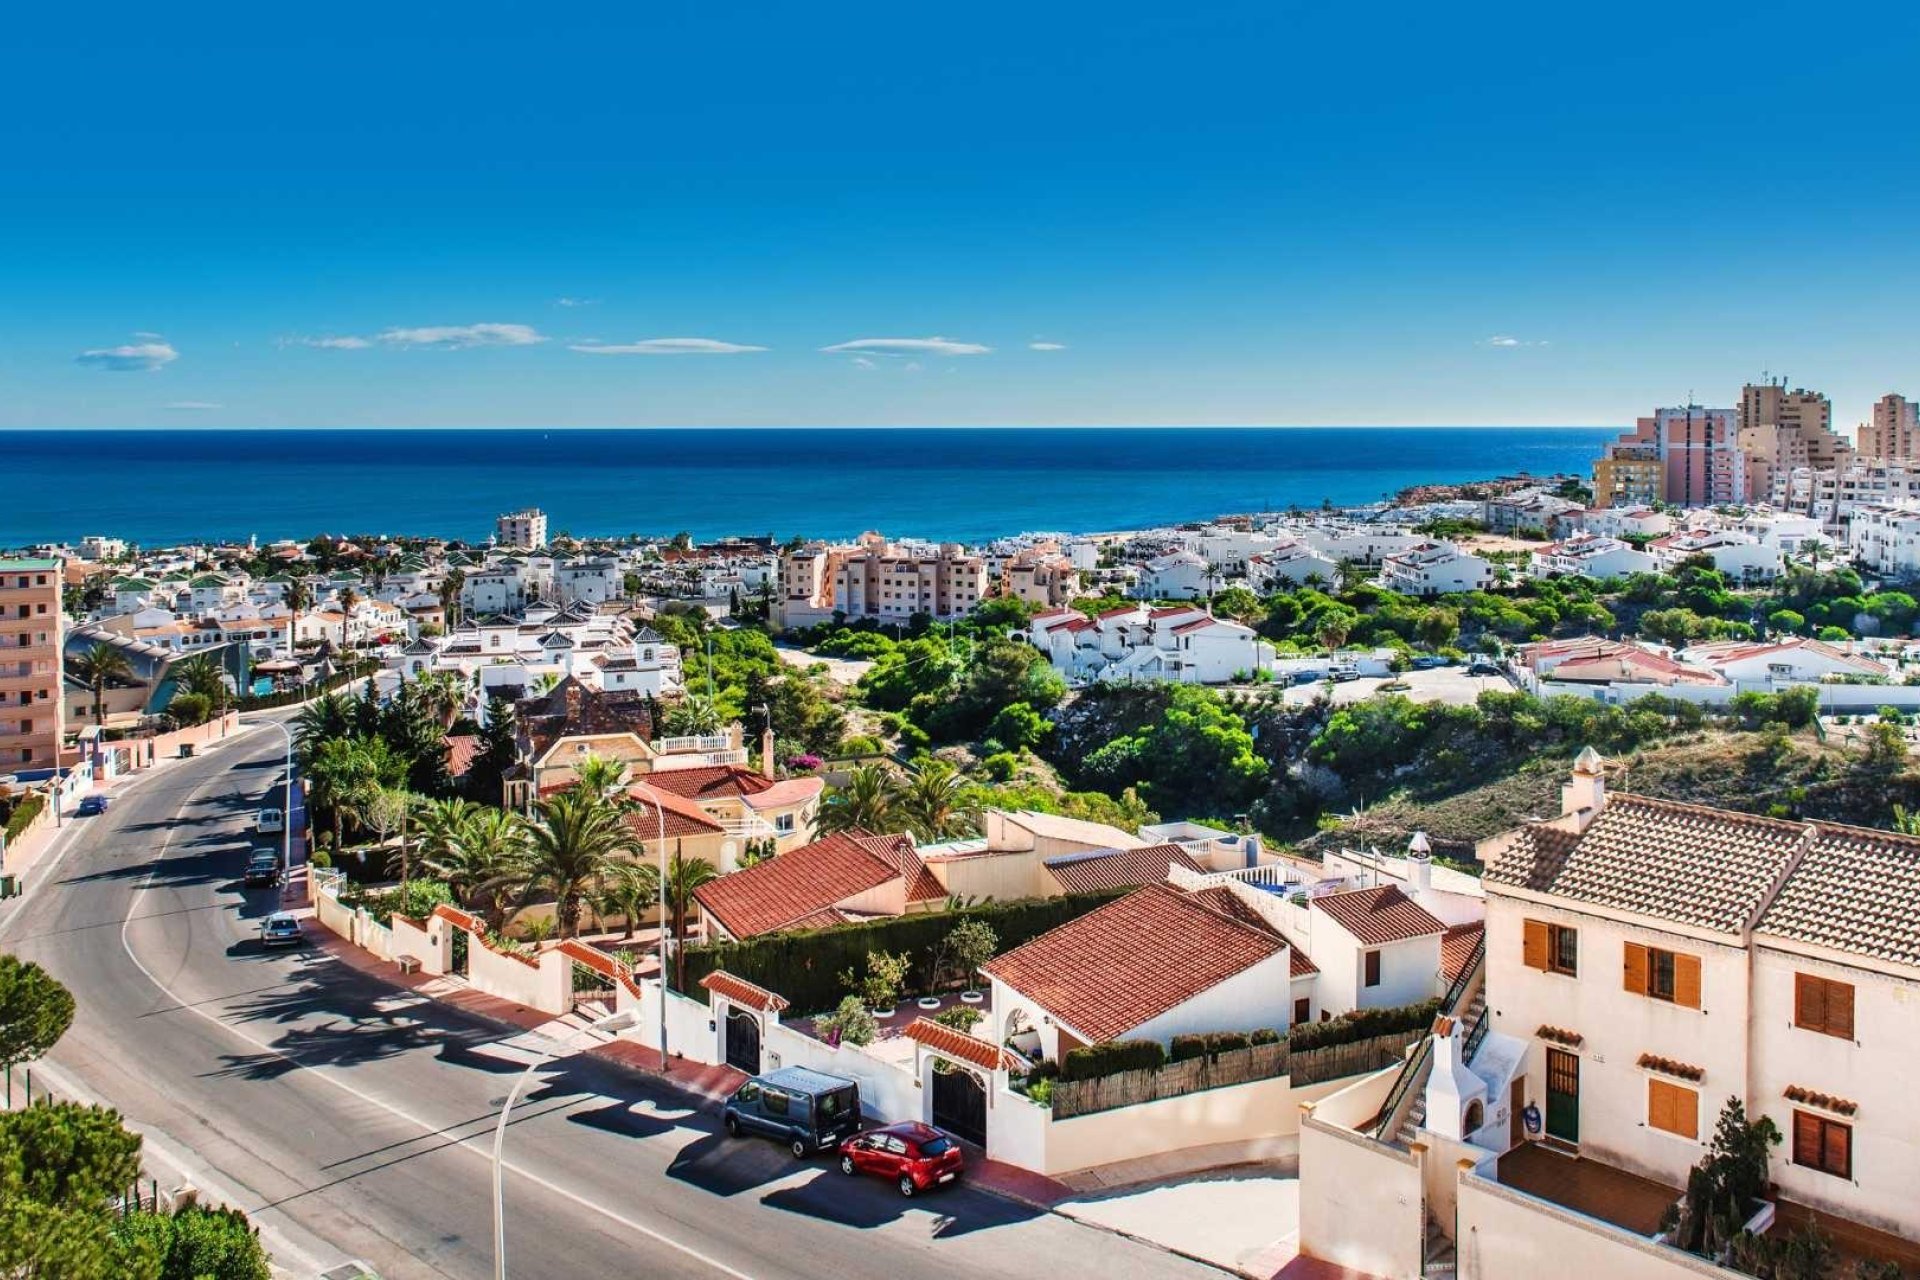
286	810
618	1022
660	812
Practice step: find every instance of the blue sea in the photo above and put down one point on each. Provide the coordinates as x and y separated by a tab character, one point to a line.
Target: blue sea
164	486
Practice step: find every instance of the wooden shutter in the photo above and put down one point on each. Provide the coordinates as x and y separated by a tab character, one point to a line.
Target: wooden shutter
1686	980
1809	1002
1839	1009
1533	951
1836	1149
1673	1109
1636	969
1806	1139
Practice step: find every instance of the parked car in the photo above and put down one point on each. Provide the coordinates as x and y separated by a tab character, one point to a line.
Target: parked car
1428	661
1483	669
914	1157
280	930
1344	674
809	1111
90	805
263	868
270	822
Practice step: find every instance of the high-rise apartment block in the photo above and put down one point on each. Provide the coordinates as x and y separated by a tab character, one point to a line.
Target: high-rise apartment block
1894	431
1689	456
874	578
32	705
524	529
1783	429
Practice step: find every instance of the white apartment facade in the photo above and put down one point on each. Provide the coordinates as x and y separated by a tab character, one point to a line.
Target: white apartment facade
874	578
1589	556
1435	568
524	529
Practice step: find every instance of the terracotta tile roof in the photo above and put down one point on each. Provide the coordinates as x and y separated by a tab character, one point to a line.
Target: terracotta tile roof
1228	903
710	781
1173	611
791	887
957	1044
683	817
1117	868
1198	624
1131	961
571	709
1856	890
899	852
823	919
1456	947
742	992
788	791
462	748
1379	916
1671	1067
1678	862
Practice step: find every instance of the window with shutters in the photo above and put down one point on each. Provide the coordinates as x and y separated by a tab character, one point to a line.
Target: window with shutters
1672	1108
1823	1144
1659	973
1551	948
1823	1005
1673	976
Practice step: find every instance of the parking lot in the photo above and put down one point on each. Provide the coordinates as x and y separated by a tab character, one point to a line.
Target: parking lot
1451	685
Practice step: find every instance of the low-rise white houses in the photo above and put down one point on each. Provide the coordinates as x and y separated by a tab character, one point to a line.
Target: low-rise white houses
1435	568
1887	540
1182	643
1178	575
1742	557
1587	555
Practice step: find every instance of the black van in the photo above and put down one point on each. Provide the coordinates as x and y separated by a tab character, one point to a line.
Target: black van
810	1111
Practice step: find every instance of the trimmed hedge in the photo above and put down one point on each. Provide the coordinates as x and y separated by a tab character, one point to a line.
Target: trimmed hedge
23	813
805	967
1110	1057
1364	1024
1213	1044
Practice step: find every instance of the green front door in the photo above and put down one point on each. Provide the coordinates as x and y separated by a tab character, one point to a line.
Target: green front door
1563	1096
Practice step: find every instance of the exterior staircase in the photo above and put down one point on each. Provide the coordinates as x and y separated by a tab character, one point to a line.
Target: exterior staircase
1416	1116
1438	1256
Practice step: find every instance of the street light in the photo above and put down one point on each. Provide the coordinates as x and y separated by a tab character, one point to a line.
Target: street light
618	1022
660	812
286	810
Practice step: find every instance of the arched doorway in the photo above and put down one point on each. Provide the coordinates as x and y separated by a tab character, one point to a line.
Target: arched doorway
743	1040
959	1102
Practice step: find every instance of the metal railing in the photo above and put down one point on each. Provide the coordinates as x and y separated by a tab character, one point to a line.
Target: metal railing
1474	1037
1410	1073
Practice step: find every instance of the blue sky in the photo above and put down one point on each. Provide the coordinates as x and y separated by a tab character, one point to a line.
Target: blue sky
418	215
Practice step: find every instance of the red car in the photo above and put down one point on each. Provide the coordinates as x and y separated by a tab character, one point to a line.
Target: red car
916	1157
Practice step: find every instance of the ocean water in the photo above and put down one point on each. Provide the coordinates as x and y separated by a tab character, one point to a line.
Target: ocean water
161	486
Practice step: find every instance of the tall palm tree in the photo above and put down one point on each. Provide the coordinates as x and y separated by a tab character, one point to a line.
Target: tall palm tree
476	850
341	777
601	776
98	667
450	596
202	675
326	718
632	887
684	875
444	694
865	803
298	596
933	804
570	847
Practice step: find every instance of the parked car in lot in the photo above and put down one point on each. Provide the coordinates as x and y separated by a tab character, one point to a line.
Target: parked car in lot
263	868
914	1157
90	805
280	930
809	1111
270	822
1483	669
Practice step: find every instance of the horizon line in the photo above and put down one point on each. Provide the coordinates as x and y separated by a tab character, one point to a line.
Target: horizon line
951	426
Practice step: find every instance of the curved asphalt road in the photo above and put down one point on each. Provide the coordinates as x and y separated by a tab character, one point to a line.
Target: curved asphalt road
351	1120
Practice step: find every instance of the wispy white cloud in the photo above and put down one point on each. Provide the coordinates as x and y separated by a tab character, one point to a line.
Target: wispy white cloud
329	342
576	302
460	337
861	362
1046	346
909	347
1507	340
192	406
135	357
145	335
664	347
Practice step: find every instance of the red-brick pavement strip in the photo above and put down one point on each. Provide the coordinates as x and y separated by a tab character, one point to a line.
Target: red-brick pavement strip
711	1085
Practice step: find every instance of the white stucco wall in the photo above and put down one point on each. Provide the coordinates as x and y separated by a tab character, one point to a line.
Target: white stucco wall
1360	1201
1504	1233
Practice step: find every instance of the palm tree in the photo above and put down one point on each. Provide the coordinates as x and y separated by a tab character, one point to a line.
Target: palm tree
326	718
298	596
684	875
632	887
694	716
569	850
865	803
341	777
202	675
476	850
444	694
934	804
601	776
98	667
450	597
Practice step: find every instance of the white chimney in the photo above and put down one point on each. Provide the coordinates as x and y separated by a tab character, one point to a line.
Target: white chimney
1419	864
1585	793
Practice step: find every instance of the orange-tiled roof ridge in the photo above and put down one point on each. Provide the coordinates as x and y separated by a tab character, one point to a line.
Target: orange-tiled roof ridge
1857	890
710	780
790	887
1684	863
740	991
955	1043
1225	901
1117	868
1131	960
682	816
1378	916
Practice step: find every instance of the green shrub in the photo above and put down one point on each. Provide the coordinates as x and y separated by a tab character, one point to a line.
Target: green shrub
1226	1042
961	1017
1041	1091
1186	1047
1265	1035
1363	1024
23	814
851	1023
1109	1057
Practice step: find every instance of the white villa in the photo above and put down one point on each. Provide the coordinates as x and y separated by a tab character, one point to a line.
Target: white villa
1435	568
1183	643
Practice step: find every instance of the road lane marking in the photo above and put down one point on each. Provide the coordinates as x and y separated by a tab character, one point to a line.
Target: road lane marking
460	1144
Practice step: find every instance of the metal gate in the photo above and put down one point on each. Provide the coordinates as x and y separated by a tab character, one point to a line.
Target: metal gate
743	1041
960	1103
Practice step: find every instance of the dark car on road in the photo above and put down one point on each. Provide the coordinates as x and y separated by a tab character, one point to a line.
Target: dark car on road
808	1111
263	868
914	1157
90	805
280	930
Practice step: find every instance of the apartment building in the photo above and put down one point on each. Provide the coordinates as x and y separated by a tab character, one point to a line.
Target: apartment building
1040	577
1697	450
1894	431
524	529
32	708
1886	540
1832	495
1435	568
1781	430
874	578
1629	478
1590	556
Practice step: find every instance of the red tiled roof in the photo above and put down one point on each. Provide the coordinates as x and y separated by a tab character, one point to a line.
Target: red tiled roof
1379	916
1131	961
1117	868
709	781
462	748
1171	611
740	991
1114	613
791	887
826	918
957	1044
683	817
1456	947
1198	624
1224	900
